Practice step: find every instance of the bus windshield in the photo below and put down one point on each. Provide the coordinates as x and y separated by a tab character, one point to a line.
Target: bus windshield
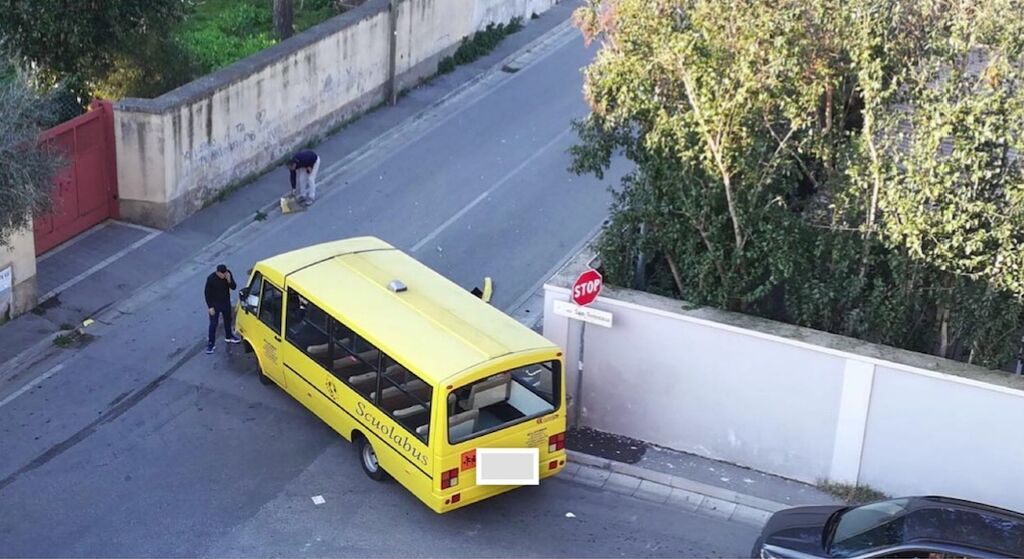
502	400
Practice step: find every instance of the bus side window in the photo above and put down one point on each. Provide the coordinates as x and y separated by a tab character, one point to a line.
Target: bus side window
355	360
270	307
306	328
405	397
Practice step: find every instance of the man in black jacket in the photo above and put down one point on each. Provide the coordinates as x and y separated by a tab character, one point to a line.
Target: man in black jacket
218	302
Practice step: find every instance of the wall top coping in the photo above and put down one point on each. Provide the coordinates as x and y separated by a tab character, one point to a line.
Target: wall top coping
206	86
843	346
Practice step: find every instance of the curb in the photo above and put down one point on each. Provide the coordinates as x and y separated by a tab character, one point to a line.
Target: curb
662	488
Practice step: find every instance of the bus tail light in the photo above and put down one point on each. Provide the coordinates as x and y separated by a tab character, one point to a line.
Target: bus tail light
556	442
450	478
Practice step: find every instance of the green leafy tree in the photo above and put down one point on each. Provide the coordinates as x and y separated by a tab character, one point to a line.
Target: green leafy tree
774	173
77	43
27	168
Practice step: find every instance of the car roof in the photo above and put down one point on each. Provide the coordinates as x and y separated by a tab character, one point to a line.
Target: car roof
435	327
964	523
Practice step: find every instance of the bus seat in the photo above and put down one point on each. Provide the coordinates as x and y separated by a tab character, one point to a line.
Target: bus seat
344	362
422	429
491	391
363	378
462	424
392	397
368	357
411	410
317	350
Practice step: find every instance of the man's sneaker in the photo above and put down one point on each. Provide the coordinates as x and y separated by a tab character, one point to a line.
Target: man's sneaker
307	202
209	349
233	339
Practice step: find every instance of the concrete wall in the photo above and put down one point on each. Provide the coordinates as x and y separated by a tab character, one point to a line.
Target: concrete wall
19	260
794	402
179	150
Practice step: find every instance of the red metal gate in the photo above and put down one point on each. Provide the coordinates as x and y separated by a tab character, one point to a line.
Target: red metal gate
85	193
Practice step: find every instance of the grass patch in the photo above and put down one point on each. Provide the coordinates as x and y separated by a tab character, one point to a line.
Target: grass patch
66	326
260	216
480	44
852	494
72	338
219	32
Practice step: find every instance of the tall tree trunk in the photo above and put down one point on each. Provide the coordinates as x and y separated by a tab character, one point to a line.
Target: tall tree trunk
942	312
283	16
676	277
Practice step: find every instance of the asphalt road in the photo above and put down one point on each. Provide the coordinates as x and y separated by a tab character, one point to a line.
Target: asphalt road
137	444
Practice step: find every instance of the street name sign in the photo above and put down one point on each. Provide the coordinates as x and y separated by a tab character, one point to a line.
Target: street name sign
586	314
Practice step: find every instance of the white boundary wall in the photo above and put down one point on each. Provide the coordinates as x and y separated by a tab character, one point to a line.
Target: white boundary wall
794	402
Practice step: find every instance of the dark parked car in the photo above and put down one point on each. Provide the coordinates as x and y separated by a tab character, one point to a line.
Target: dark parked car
918	527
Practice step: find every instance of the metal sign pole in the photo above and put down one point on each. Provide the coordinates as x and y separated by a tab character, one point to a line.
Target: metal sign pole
579	373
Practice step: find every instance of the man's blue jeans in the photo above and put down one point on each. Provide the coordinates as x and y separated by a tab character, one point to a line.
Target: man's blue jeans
218	311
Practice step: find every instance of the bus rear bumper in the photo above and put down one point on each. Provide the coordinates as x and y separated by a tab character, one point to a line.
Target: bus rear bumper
442	503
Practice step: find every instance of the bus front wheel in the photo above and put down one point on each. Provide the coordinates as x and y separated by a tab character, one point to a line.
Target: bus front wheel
368	458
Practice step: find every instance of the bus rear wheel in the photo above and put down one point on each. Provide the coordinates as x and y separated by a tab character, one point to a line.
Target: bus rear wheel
368	459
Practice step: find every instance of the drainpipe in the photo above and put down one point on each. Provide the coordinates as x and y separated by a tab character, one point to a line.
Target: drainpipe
393	51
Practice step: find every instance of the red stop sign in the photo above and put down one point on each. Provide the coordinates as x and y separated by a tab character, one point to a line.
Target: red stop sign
587	287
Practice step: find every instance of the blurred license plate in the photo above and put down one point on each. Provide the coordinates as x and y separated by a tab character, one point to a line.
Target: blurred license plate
507	466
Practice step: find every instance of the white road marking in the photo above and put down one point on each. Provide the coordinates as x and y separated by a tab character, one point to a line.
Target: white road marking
99	266
433	234
56	369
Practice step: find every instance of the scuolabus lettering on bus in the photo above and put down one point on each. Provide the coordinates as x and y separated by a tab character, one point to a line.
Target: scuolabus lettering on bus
400	439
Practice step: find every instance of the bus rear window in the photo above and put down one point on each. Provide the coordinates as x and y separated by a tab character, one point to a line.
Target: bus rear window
502	400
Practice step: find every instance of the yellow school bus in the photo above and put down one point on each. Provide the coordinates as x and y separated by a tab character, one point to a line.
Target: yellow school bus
437	389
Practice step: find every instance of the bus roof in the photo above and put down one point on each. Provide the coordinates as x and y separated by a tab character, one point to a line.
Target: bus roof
434	327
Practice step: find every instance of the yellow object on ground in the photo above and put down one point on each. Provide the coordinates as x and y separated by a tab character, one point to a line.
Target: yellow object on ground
289	204
488	289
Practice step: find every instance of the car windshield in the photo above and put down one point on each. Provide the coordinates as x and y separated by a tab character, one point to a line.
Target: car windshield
869	527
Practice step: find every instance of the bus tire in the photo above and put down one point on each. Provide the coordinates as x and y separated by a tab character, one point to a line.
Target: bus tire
368	459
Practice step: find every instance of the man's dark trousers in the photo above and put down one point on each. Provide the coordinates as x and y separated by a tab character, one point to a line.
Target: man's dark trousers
219	310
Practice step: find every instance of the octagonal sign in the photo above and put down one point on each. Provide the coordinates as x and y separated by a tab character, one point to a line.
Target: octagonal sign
587	288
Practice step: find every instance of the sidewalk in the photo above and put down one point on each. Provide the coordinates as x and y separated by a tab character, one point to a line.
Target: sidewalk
108	264
682	480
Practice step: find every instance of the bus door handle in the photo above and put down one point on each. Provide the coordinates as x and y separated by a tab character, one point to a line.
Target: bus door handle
277	338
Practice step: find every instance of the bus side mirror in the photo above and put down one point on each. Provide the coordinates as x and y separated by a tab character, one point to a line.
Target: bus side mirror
249	303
